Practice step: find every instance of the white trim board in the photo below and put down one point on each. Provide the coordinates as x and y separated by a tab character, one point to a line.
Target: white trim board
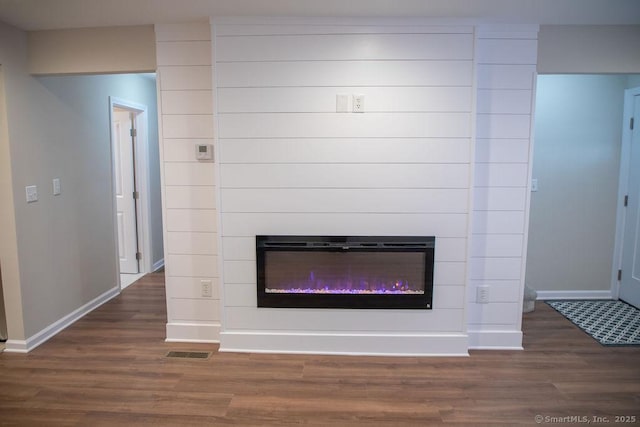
495	340
25	346
193	332
454	344
557	295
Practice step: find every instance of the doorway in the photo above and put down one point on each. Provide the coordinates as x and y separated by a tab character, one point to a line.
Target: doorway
573	235
128	139
628	221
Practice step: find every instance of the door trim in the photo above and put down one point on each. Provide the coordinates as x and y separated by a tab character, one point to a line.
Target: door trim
142	179
625	160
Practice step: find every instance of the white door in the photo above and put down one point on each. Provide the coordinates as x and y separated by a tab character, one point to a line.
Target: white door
630	279
125	188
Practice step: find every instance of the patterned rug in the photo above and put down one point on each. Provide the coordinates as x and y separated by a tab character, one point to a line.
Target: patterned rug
613	323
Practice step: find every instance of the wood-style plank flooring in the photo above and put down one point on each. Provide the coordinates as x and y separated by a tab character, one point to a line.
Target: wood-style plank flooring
110	369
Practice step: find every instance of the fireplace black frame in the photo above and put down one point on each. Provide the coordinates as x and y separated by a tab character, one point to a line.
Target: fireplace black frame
423	244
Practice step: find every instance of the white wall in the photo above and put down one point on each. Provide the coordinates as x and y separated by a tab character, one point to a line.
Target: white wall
286	162
506	78
576	161
290	164
59	127
189	198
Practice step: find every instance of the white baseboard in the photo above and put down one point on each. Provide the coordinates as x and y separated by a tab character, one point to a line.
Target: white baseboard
157	265
193	332
495	340
19	346
344	344
551	295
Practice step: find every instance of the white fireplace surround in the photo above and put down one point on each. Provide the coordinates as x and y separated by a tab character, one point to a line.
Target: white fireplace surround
442	148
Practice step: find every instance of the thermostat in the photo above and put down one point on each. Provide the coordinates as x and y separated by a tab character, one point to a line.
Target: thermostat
204	152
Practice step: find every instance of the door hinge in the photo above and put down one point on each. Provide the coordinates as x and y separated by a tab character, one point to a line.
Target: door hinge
626	200
631	122
133	132
619	275
136	195
138	256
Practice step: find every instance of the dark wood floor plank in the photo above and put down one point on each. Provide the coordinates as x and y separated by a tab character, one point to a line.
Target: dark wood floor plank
110	369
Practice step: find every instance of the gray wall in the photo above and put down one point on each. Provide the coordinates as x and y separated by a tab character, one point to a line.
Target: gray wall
578	129
591	49
59	127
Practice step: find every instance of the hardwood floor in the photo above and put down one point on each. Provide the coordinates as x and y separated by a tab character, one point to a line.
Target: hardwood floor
109	368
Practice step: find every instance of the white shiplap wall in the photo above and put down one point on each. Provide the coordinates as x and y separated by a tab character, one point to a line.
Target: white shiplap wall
189	187
381	172
289	164
506	78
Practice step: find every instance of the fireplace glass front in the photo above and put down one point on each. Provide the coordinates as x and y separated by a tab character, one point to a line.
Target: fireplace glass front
345	271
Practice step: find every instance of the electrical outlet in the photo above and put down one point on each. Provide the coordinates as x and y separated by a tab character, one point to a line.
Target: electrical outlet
32	193
206	288
358	103
482	294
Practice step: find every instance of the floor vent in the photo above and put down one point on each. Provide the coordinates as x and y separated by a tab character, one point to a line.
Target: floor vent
189	354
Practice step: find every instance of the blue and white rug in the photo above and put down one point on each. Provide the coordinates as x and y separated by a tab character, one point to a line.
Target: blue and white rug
608	322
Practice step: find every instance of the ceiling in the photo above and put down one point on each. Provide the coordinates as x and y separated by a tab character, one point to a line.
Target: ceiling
57	14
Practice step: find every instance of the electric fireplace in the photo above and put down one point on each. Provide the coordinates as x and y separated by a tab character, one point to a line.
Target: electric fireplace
345	271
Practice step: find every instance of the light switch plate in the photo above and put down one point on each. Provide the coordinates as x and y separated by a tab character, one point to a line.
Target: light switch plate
56	187
342	103
32	193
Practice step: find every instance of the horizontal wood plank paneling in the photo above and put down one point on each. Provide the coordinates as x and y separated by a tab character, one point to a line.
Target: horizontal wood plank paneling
495	268
191	220
337	125
187	102
182	150
200	197
181	32
499	199
187	126
503	126
498	222
190	287
507	51
343	150
189	173
502	150
343	47
186	78
344	176
224	29
323	99
180	242
503	101
496	245
183	53
248	318
440	225
345	200
505	76
501	175
198	309
243	248
192	266
345	73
